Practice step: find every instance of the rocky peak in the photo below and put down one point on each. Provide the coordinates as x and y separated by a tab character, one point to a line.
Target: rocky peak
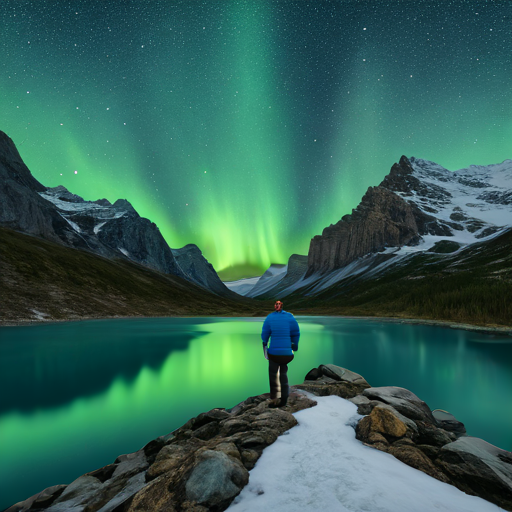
12	166
103	202
62	193
123	204
192	262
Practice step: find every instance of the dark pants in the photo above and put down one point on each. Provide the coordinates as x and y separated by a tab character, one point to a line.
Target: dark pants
278	376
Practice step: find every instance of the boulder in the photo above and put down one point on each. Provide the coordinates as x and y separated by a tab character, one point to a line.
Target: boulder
41	500
77	494
330	379
448	422
478	468
194	474
216	479
414	457
204	464
341	374
403	400
381	421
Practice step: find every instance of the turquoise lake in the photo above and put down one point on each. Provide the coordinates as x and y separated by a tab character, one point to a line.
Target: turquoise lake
76	395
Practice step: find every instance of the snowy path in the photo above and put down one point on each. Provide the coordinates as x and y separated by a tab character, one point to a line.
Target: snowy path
320	466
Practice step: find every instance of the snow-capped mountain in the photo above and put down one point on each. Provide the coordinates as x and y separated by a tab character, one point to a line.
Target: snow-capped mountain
473	203
109	230
419	207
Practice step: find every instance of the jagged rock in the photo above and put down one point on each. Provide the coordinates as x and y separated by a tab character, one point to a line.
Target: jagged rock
333	380
77	494
412	427
41	500
364	404
333	374
448	422
414	457
190	471
130	464
403	400
382	219
432	435
341	374
168	459
479	468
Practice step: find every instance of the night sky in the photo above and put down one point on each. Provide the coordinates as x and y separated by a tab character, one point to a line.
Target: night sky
246	127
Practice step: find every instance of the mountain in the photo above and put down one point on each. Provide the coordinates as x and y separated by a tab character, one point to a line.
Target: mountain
109	230
418	204
426	243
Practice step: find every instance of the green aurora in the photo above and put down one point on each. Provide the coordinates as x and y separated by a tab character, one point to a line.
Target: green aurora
246	127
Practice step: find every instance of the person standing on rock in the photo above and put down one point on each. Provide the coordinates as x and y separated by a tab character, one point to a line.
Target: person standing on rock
283	331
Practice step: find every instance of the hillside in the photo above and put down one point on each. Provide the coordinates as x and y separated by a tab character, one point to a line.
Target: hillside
42	280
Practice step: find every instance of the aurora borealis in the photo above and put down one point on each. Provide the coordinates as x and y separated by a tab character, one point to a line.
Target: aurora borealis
246	127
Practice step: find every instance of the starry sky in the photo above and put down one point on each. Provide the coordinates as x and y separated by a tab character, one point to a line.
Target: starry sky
247	126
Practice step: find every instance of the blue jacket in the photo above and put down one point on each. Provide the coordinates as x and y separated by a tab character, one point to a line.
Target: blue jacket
284	332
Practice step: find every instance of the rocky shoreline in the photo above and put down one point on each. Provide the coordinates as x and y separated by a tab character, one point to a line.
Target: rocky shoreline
483	329
203	465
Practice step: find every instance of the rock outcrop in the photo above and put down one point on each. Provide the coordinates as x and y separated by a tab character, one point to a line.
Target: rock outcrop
204	464
21	206
382	219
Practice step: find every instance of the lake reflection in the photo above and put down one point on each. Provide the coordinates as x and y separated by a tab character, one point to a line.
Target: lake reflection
82	393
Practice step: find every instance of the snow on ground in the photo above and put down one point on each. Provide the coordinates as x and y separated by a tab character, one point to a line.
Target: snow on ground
319	465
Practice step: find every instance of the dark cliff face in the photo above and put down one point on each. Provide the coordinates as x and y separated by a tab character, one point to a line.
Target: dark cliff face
199	270
21	206
382	219
295	270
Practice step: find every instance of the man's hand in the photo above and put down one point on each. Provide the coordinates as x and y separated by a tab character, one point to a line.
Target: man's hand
265	352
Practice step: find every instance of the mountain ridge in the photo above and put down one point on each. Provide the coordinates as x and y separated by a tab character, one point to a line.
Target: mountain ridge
109	230
419	220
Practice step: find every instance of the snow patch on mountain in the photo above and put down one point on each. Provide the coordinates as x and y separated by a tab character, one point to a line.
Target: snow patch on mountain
98	227
268	280
242	286
74	225
60	197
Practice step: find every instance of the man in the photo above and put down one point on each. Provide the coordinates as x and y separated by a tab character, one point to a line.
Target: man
283	330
